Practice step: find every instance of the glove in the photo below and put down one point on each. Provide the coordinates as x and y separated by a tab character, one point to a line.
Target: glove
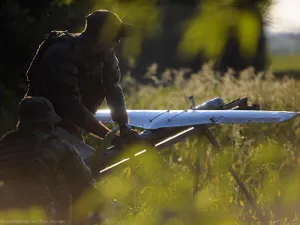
129	135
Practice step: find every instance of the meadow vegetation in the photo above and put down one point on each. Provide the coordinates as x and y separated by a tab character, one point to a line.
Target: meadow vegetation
158	189
287	62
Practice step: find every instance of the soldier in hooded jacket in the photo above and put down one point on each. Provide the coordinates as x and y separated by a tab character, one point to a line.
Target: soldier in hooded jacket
38	169
76	72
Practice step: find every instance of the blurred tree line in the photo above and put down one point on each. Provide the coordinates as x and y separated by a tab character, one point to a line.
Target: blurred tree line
171	33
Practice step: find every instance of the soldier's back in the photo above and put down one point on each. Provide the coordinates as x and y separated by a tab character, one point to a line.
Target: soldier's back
23	184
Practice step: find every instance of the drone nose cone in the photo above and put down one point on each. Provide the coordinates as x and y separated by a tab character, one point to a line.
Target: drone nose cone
288	116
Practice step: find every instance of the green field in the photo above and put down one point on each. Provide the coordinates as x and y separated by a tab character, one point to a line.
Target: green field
285	63
159	189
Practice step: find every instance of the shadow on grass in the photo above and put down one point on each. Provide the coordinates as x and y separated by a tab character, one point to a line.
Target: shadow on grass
288	73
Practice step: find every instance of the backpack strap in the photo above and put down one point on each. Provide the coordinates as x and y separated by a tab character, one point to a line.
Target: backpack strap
50	39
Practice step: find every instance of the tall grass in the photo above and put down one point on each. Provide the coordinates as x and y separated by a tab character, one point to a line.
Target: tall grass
159	189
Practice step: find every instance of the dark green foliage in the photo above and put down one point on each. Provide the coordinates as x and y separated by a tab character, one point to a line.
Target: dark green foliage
24	24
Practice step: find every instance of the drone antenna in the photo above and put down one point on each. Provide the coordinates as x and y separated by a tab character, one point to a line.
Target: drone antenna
169	120
192	102
158	115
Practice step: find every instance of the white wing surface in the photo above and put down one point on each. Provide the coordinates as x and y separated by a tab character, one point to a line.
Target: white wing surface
154	119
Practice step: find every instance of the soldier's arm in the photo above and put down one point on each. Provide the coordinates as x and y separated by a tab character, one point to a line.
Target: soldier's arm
114	92
66	96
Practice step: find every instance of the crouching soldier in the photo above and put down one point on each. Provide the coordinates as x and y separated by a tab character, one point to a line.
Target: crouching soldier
37	169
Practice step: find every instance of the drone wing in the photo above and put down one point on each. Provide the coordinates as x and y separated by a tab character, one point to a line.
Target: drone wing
154	119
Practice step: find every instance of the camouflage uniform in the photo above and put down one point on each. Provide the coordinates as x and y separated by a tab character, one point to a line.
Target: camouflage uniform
76	78
39	169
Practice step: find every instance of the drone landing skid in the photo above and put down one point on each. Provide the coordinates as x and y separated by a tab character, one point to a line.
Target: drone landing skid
235	175
205	131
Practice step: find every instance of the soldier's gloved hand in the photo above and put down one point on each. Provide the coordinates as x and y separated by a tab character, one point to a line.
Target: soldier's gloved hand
128	135
111	138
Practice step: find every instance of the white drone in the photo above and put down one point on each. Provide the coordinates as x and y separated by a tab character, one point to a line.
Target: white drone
164	128
208	113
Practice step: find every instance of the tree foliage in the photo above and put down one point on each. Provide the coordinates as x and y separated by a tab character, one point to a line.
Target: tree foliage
167	32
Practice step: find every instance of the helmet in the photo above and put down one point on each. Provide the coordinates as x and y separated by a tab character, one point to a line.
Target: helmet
34	110
108	22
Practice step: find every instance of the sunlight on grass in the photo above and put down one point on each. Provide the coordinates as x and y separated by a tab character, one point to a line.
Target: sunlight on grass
265	156
160	188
